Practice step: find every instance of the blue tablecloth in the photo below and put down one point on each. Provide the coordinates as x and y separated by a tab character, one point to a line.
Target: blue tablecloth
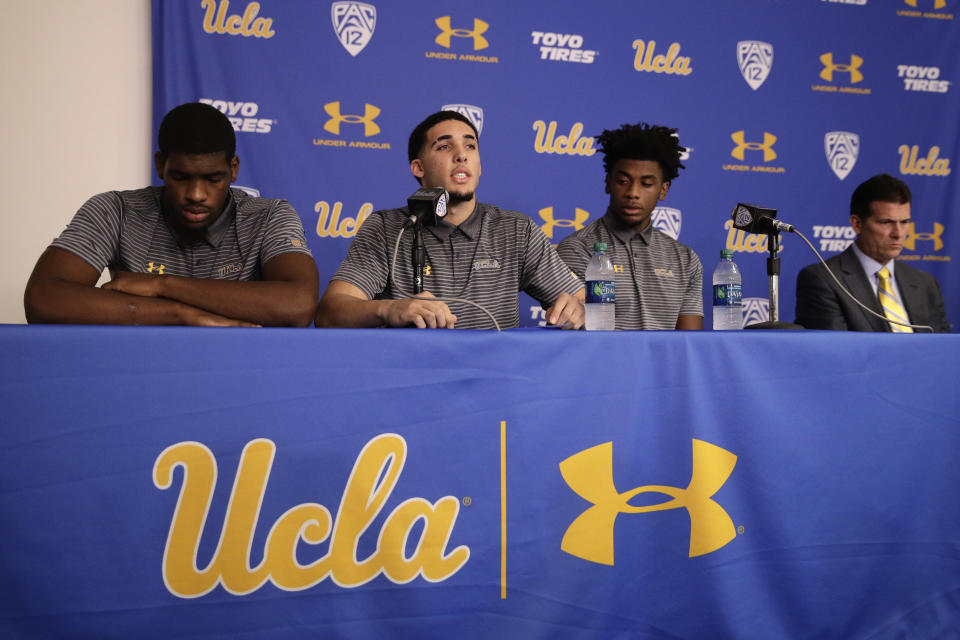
178	482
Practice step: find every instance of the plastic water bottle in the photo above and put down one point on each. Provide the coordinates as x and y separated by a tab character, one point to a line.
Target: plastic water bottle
727	294
601	283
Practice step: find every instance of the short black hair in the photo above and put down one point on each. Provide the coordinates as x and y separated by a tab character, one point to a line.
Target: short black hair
419	135
196	127
879	188
642	141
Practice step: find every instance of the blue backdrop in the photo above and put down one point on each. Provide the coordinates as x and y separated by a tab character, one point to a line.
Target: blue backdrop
787	105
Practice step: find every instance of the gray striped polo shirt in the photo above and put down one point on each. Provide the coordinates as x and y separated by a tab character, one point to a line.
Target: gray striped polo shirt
487	259
126	231
657	278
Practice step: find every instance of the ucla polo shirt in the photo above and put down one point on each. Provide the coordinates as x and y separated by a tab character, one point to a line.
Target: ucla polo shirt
658	279
488	259
127	231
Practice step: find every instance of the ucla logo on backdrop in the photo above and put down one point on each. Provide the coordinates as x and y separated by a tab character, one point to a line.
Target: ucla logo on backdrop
370	484
922	79
755	310
546	140
589	474
742	242
842	149
856	2
339	123
550	223
564	47
216	19
668	220
646	59
474	114
755	60
331	223
746	150
922	9
930	165
475	37
354	24
834	237
242	115
844	75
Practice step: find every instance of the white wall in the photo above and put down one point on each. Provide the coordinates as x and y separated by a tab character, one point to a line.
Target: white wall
75	81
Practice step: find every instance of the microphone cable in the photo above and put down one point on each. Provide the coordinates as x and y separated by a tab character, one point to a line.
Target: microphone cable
393	285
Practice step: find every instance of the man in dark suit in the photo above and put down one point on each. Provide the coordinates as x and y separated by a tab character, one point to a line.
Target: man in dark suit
880	215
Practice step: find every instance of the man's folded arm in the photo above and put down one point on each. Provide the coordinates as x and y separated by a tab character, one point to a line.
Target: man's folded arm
62	290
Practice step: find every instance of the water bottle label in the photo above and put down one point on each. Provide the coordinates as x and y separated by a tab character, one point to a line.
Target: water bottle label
727	295
600	291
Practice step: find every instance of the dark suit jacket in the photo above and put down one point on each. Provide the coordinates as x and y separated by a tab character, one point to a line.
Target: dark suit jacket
822	305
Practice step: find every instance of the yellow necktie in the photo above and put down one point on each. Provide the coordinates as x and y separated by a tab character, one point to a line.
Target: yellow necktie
890	303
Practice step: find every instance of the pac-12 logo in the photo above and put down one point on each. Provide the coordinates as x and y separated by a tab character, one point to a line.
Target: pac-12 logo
755	60
590	474
473	114
667	220
842	149
354	23
755	310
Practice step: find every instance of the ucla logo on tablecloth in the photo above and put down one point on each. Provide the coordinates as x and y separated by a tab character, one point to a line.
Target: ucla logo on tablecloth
339	121
242	115
375	474
580	217
474	114
922	9
563	47
755	310
646	59
667	220
572	144
216	19
745	150
842	149
590	474
477	36
834	237
931	165
755	60
354	24
922	79
843	75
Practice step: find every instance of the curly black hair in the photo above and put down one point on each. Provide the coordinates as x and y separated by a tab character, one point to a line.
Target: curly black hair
642	141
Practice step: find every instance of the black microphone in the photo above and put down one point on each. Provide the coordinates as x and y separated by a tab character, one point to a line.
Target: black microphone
427	204
754	219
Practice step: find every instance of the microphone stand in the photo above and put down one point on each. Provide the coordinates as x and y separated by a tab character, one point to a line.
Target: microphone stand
773	272
419	258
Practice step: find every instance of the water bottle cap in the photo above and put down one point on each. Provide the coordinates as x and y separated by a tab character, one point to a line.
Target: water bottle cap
600	246
726	253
